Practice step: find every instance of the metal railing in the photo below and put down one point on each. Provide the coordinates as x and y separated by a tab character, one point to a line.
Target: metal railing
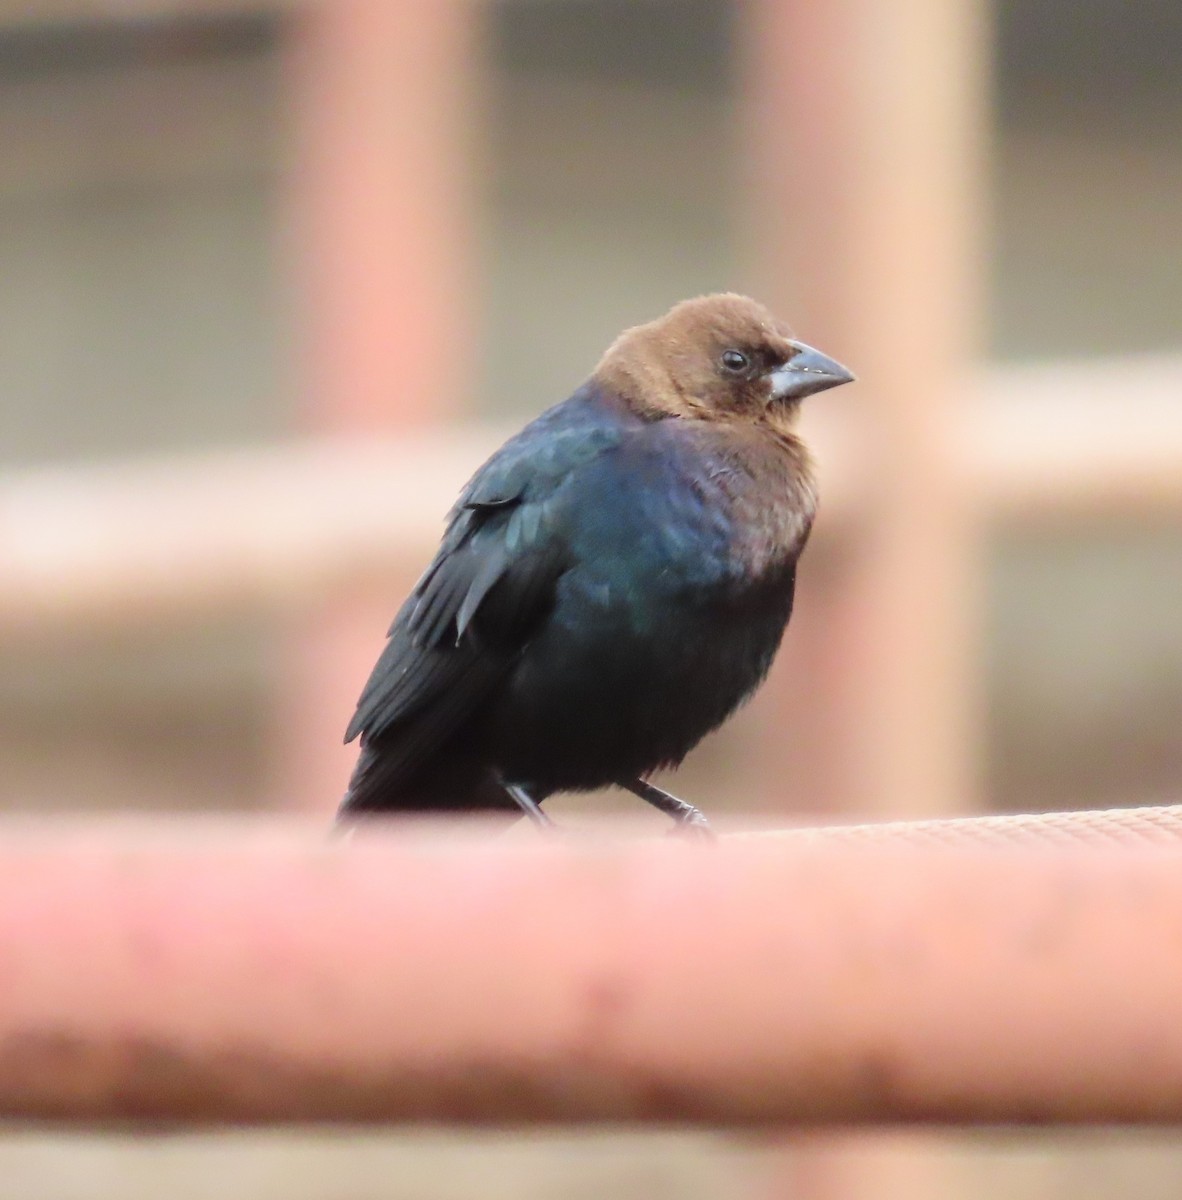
1001	970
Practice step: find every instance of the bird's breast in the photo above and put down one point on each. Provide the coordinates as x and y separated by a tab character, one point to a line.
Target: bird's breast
678	586
766	488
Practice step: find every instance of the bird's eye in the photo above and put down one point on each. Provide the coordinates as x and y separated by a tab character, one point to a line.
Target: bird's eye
734	361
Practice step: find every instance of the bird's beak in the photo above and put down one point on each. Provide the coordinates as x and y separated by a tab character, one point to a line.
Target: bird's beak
806	372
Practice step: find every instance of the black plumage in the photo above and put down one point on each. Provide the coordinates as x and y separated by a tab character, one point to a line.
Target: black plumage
611	584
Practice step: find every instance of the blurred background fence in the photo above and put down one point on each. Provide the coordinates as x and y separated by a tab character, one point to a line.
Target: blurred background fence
276	276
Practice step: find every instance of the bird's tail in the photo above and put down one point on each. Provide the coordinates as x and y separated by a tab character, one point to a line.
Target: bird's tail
447	784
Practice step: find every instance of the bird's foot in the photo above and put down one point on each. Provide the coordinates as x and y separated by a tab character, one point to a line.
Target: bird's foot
693	826
687	820
529	806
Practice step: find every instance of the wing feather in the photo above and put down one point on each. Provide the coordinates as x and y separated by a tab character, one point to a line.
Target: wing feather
475	607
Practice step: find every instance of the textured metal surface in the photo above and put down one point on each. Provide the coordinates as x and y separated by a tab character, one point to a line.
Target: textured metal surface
997	970
1151	825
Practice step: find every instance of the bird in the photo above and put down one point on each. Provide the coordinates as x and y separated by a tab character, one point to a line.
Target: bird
611	585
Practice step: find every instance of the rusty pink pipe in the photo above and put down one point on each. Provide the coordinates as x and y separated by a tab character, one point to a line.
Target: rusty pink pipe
968	971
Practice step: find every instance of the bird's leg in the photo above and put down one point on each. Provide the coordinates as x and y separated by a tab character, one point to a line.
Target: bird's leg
687	818
528	805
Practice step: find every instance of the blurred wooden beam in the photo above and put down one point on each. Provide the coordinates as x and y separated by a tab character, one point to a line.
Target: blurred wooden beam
28	13
281	528
946	974
380	208
867	125
380	232
1094	439
284	527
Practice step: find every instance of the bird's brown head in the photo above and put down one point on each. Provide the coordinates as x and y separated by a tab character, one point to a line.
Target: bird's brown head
717	358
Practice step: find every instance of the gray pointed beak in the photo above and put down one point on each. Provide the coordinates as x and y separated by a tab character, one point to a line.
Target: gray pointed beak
806	372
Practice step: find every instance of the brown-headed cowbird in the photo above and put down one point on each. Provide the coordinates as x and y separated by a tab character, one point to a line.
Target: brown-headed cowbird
612	584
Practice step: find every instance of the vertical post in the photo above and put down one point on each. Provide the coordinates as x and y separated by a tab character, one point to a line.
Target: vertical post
867	1166
866	126
380	243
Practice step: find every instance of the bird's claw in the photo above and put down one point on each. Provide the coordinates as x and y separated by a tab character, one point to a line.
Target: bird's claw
693	827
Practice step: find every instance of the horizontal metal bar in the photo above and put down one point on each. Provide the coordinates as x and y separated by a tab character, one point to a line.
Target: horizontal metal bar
266	527
18	13
1009	970
1085	439
279	526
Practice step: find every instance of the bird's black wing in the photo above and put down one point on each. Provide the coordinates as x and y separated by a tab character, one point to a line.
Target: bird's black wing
491	581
